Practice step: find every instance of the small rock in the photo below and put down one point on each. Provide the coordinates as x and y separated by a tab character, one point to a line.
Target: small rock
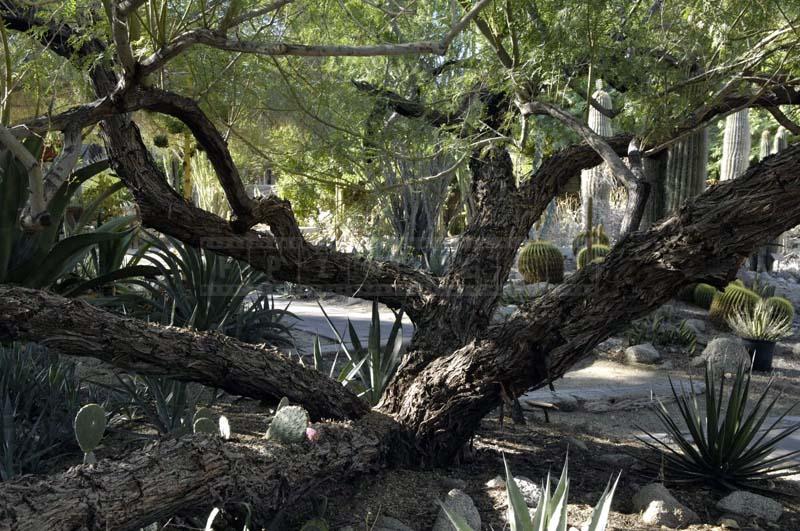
729	523
697	326
725	353
531	491
746	503
788	350
617	460
661	508
457	502
387	523
644	353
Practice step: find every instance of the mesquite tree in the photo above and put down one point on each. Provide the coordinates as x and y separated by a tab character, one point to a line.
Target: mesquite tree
460	364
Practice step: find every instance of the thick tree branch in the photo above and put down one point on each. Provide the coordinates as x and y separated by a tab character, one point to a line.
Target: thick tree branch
193	473
75	327
784	120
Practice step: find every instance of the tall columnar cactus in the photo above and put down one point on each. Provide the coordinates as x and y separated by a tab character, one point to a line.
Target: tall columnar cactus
736	146
765	149
735	298
89	426
289	425
597	253
541	261
596	182
781	141
687	164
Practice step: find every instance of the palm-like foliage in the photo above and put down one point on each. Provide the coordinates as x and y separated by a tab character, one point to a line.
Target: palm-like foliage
762	322
728	447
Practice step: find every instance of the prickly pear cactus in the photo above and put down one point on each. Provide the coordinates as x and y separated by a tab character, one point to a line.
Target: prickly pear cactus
781	141
89	426
205	425
282	404
203	413
735	146
597	182
687	164
289	425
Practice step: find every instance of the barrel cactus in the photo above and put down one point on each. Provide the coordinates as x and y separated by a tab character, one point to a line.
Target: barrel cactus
781	306
541	261
686	175
598	253
599	236
735	146
781	141
704	295
596	182
89	426
289	425
735	298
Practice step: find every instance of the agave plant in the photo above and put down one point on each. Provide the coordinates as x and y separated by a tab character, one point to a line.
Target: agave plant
728	446
762	322
551	512
373	366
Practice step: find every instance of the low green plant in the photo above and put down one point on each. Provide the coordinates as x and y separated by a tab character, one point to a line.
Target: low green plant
704	294
551	511
657	330
761	322
370	369
728	443
541	261
89	426
288	425
598	253
39	396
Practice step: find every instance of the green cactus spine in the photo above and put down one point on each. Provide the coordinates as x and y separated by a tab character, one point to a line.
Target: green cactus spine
89	426
596	182
765	148
597	254
289	425
599	236
735	146
704	295
734	298
686	175
781	141
781	306
541	261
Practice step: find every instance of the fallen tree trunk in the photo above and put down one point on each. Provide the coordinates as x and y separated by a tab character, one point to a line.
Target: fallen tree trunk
75	327
192	473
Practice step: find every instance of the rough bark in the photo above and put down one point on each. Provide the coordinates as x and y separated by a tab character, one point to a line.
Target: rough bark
77	328
442	403
193	473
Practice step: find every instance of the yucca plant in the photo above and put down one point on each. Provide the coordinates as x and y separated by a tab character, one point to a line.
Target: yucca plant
726	444
551	512
374	366
762	322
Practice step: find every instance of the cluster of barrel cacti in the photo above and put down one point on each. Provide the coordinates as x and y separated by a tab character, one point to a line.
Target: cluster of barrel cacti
541	261
289	425
596	254
599	236
735	298
89	426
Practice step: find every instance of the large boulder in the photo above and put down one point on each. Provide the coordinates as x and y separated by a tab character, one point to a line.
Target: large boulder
458	502
660	508
746	503
724	353
643	353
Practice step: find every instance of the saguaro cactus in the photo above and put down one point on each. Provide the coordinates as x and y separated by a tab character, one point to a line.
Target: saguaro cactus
765	149
781	141
687	163
596	182
736	146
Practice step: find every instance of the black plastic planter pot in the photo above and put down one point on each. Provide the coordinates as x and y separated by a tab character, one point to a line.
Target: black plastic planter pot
761	353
